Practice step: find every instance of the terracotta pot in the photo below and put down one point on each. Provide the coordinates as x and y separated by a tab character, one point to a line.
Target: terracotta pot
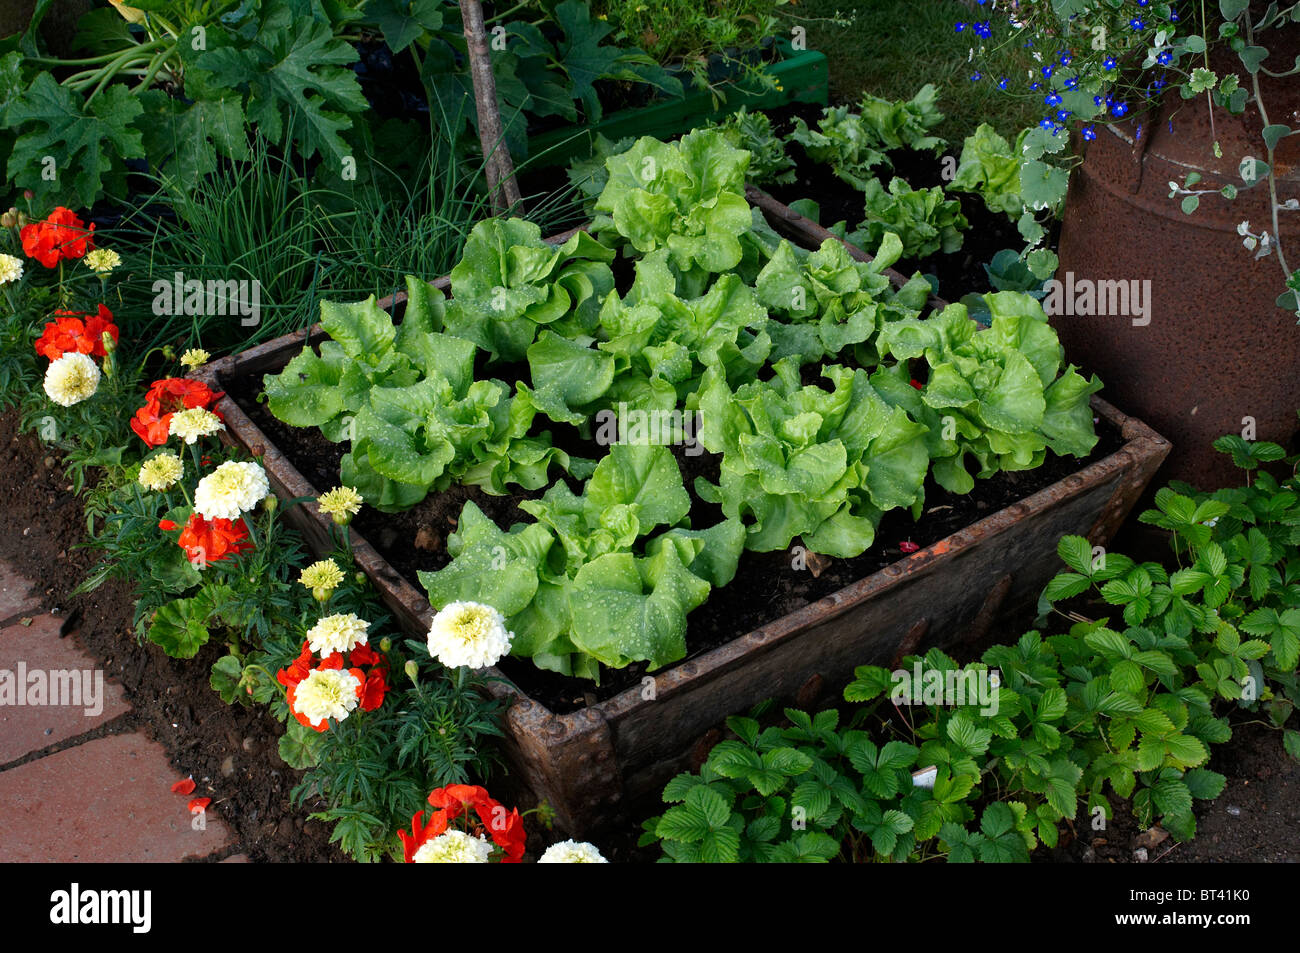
1213	353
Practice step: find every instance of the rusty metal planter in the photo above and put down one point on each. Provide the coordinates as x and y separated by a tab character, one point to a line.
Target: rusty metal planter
590	762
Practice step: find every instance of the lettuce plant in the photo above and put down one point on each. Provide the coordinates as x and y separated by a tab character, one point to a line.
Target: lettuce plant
899	124
853	143
844	142
406	398
823	302
687	196
997	394
1016	180
752	131
653	347
924	219
809	462
585	584
509	284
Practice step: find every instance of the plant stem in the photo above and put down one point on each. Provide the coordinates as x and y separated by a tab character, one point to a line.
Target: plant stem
1272	176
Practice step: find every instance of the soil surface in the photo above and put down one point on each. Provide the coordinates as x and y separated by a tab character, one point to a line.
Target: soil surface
232	747
960	272
1257	818
766	586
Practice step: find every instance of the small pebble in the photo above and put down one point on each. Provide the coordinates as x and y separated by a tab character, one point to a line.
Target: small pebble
1234	810
1140	855
228	766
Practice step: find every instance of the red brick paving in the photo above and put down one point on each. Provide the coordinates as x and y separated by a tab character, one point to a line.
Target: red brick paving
107	799
104	801
37	648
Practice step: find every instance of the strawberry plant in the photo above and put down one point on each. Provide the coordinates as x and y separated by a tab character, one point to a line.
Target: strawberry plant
1128	708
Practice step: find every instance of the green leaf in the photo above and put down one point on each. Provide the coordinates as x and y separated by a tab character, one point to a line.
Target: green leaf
296	78
227	672
404	21
180	626
1291	742
1204	785
646	477
617	621
300	746
82	145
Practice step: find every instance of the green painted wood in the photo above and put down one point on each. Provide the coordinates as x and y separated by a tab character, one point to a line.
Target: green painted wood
803	77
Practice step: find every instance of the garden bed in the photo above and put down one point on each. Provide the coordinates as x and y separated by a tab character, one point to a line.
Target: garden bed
585	750
765	587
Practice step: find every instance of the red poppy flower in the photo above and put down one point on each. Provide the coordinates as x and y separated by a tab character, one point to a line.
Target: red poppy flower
62	236
458	798
376	684
299	669
421	832
363	654
183	787
152	422
505	828
211	540
68	333
917	384
374	689
908	546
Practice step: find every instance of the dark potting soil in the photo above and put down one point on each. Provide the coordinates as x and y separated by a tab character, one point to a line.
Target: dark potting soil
232	752
766	586
958	273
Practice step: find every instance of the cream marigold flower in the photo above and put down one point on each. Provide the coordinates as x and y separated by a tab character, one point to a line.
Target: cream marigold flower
193	423
322	578
326	693
341	632
160	472
231	490
340	504
71	379
572	852
454	847
11	269
469	634
195	357
102	260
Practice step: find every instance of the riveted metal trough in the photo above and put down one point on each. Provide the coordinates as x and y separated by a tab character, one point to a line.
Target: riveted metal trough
590	762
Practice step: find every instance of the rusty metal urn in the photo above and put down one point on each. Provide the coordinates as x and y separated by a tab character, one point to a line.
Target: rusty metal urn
1215	352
